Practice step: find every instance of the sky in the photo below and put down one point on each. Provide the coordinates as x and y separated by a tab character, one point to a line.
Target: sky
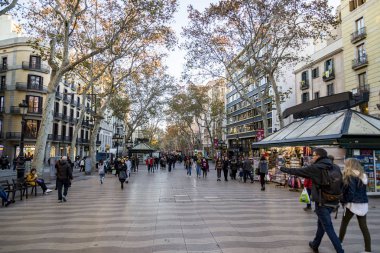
176	60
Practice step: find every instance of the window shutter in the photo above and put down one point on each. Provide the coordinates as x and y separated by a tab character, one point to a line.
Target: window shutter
351	5
29	80
40	103
41	82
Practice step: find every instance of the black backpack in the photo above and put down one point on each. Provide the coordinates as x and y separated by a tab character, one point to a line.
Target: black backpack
331	184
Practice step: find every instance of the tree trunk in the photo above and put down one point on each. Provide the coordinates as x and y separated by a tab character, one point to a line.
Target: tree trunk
94	134
45	127
277	100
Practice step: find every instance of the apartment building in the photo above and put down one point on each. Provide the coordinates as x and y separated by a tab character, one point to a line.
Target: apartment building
361	50
323	74
24	76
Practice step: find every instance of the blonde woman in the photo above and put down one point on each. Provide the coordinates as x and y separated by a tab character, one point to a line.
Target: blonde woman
355	199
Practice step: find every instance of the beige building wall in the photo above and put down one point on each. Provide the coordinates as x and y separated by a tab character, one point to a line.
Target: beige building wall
310	85
367	60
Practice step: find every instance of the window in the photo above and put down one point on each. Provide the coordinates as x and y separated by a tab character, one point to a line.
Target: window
315	73
330	89
316	95
359	25
72	113
34	104
305	97
363	81
64	111
329	65
4	63
3	80
361	53
31	128
305	78
35	82
63	131
35	62
1	103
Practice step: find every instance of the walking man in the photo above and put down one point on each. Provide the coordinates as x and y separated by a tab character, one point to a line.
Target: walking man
247	167
64	175
324	204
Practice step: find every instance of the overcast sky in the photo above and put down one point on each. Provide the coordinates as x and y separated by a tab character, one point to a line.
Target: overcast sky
176	59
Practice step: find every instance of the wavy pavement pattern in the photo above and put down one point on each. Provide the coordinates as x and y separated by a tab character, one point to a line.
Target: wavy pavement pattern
165	212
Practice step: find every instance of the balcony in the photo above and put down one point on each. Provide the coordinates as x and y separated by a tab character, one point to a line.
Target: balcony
3	87
57	115
58	95
30	87
66	99
78	104
358	35
36	111
65	118
360	62
363	88
328	75
98	143
17	135
72	102
15	110
72	120
2	109
304	84
3	68
35	67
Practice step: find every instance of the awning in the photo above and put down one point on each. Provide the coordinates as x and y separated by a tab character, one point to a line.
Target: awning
142	148
347	128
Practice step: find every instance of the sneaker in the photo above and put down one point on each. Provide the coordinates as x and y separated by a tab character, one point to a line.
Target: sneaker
60	201
48	190
64	198
315	249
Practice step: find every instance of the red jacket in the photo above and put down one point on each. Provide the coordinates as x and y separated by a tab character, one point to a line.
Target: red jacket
307	183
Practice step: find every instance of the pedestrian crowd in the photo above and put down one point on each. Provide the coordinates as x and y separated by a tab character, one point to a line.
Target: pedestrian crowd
324	182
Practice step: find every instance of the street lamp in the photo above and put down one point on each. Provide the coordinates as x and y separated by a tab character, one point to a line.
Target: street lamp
129	146
116	138
21	160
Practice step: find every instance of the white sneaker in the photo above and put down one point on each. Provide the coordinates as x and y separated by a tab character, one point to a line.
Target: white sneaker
48	190
64	198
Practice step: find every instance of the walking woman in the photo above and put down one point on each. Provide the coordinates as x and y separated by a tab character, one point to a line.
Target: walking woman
205	167
219	167
355	199
263	171
226	165
198	164
101	171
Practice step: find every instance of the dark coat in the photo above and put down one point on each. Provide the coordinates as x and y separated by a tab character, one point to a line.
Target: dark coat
314	172
64	170
355	191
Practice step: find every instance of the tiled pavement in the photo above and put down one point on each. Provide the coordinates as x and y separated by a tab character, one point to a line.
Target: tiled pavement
169	212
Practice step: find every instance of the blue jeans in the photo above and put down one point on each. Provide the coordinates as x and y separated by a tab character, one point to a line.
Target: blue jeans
325	226
189	170
198	170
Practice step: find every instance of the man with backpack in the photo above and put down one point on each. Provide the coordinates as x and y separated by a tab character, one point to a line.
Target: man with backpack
326	191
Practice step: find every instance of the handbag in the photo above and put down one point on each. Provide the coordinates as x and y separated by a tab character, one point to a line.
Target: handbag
304	198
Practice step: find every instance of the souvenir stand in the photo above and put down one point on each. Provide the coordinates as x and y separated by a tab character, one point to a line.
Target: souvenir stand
343	133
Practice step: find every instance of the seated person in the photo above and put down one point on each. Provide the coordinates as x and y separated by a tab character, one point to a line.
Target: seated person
3	196
32	179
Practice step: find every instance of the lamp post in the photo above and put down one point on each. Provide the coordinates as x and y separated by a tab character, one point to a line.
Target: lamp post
129	146
21	160
116	138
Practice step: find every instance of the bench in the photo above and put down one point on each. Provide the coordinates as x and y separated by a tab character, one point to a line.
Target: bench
8	188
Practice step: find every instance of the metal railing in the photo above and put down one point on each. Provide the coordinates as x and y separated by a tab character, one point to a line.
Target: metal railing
35	67
358	35
360	62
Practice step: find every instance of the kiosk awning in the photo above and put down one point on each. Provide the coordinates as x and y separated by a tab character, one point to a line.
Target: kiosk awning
142	148
346	128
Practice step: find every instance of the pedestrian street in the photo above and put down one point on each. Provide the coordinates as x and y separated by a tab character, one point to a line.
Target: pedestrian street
170	212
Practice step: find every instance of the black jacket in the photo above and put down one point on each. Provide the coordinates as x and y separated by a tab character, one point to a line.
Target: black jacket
64	171
314	172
